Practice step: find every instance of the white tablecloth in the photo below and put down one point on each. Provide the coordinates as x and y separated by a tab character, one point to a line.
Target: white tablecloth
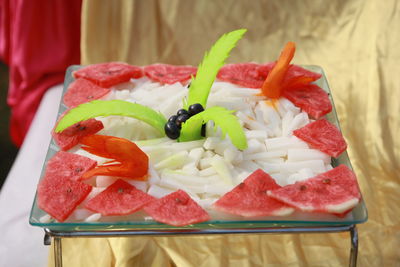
20	243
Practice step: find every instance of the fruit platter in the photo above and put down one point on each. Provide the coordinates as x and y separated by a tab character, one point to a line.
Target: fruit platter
217	146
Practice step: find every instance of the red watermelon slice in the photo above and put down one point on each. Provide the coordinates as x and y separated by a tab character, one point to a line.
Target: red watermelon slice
71	136
120	198
249	198
335	191
59	192
109	74
169	74
250	75
81	91
297	76
324	136
310	98
253	75
176	209
69	165
59	196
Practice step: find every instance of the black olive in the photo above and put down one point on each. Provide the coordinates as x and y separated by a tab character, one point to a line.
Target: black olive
172	130
195	108
173	118
181	119
182	111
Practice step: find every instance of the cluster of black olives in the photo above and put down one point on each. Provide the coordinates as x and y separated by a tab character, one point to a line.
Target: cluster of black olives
173	127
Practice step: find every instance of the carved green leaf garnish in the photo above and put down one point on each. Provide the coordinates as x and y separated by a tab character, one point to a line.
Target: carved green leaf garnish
222	118
208	69
99	108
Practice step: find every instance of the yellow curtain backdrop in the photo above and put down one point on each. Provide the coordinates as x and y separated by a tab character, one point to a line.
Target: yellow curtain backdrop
355	41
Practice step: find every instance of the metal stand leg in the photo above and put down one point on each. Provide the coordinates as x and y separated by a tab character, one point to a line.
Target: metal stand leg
354	246
47	239
57	252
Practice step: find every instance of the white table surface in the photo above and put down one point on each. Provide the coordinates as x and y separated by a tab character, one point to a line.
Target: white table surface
20	243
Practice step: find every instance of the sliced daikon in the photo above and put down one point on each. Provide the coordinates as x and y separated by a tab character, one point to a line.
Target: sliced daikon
298	154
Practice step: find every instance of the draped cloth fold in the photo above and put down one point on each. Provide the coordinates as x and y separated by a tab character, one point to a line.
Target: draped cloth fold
38	40
356	42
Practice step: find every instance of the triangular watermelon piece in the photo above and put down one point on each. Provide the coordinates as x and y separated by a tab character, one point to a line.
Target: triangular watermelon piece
120	198
299	76
59	192
169	74
59	196
253	75
324	136
109	74
249	198
69	165
310	98
250	75
176	209
81	91
335	191
71	136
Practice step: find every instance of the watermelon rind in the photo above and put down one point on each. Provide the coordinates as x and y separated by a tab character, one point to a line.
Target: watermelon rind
249	199
335	191
343	207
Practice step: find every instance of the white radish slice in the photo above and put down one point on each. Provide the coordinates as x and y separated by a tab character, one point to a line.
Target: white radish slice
173	162
206	202
195	155
250	122
208	172
138	184
307	154
95	191
222	146
80	214
93	218
289	106
280	108
221	167
271	167
295	177
173	184
306	173
45	218
266	155
230	154
286	121
217	189
256	134
190	169
284	143
187	145
298	121
254	146
280	178
158	191
211	142
316	166
248	166
154	178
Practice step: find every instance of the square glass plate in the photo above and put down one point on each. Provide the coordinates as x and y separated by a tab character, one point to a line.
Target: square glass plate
138	221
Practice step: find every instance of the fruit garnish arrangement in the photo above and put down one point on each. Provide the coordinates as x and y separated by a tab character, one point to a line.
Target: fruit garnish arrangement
183	145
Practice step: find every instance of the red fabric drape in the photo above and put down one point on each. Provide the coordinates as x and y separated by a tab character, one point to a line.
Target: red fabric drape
38	40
